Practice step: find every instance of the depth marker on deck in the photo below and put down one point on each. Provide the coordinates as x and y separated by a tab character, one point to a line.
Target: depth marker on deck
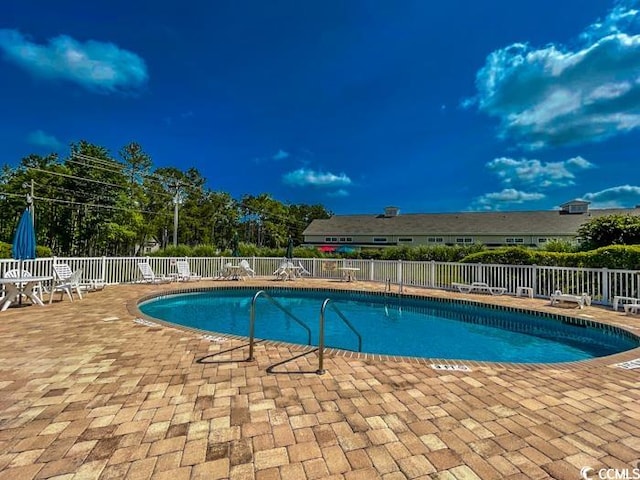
630	365
455	368
213	338
146	323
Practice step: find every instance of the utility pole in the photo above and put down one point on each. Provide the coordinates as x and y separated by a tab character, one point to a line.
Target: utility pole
30	204
177	200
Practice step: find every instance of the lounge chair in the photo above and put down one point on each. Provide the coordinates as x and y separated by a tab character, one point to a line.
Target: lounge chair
619	300
246	270
632	308
149	277
478	287
580	300
184	272
66	281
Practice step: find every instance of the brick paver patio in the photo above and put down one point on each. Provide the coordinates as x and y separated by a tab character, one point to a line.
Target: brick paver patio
86	392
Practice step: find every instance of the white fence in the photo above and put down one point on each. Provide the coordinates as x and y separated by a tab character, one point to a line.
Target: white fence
601	283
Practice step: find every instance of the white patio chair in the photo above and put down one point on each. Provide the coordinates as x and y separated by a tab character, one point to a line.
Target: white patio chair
303	272
246	270
149	277
65	283
184	272
282	272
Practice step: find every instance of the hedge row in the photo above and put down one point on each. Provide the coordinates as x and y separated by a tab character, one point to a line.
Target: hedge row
614	256
5	251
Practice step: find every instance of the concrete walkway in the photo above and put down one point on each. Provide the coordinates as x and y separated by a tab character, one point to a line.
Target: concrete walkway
87	392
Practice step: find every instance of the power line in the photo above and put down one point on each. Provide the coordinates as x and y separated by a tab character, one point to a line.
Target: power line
151	176
97	205
77	178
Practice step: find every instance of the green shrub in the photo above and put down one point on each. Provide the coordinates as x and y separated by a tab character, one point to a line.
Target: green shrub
614	256
41	252
204	251
171	251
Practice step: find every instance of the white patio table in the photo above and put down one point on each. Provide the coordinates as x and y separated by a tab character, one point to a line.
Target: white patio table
349	273
14	287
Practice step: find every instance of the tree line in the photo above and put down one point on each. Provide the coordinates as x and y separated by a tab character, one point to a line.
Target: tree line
91	204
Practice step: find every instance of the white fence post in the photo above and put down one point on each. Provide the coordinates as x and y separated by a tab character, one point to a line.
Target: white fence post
371	269
432	274
606	294
534	279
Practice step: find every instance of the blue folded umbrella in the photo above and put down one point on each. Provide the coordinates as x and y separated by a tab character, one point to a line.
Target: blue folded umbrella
24	240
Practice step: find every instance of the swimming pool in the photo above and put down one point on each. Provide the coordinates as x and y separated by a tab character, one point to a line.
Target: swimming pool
393	325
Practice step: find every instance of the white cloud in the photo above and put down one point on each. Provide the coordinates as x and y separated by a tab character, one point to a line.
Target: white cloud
97	66
280	155
338	193
623	196
42	139
532	171
304	177
557	95
508	196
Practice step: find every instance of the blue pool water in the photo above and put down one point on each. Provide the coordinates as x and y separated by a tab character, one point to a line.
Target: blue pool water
394	326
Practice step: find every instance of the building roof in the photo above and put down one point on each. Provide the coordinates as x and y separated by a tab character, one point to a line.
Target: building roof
541	222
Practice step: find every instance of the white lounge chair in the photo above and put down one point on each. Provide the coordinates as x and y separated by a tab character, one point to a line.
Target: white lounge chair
246	270
619	300
632	308
149	277
184	272
580	300
66	281
478	287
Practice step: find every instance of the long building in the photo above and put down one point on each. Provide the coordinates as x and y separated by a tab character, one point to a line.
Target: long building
493	229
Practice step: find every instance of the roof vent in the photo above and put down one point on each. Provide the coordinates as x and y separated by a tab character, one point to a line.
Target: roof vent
391	211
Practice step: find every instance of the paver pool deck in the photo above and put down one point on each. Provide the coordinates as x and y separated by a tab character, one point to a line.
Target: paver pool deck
86	392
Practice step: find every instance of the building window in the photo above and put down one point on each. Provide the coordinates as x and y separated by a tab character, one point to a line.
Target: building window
405	239
542	240
464	240
514	240
342	239
380	239
349	239
435	240
330	239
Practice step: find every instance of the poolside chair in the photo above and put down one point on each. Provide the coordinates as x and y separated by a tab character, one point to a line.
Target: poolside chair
65	282
479	287
184	272
246	270
149	277
303	272
282	272
580	300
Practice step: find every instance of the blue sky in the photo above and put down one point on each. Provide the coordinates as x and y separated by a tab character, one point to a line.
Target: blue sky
428	106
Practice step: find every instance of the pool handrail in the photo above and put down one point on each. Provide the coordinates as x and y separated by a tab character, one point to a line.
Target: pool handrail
252	319
326	303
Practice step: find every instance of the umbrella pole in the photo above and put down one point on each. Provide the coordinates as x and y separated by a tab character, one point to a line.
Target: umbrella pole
20	275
